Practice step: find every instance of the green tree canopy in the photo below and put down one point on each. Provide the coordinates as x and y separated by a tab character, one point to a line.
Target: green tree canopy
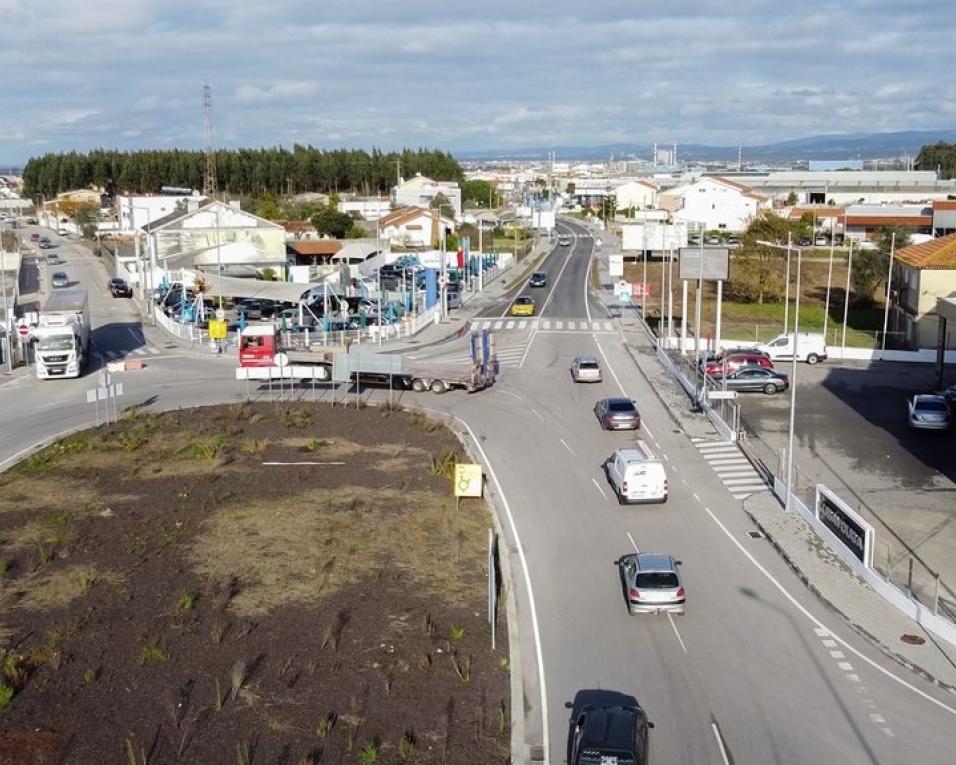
756	272
330	222
870	267
940	156
479	194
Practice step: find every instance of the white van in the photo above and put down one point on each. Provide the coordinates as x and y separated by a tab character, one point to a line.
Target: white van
811	347
636	475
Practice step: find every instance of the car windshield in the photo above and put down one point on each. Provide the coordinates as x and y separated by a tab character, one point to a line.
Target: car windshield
656	580
604	757
620	406
523	301
932	406
56	343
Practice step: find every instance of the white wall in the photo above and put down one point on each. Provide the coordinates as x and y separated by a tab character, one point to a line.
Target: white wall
636	195
717	206
136	212
369	209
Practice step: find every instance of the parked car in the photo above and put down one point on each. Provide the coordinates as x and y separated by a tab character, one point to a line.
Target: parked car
804	241
59	279
63	232
119	287
928	411
733	241
636	475
34	237
289	318
338	325
810	347
652	583
523	306
257	308
46	245
53	259
586	369
609	734
713	240
821	241
754	379
734	361
617	414
538	279
950	395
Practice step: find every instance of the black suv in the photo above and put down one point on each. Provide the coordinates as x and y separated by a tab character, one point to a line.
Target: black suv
609	733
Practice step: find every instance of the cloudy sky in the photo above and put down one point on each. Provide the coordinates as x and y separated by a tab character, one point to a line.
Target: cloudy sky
462	76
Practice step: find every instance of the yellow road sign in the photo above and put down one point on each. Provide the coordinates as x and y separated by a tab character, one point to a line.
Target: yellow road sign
467	480
218	330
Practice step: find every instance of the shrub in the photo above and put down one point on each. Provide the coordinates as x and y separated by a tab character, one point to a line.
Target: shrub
153	651
7	693
187	601
370	752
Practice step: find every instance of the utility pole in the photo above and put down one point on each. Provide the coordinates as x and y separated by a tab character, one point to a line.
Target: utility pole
209	176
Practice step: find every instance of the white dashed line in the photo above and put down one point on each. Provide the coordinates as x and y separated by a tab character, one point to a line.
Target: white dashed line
566	446
598	487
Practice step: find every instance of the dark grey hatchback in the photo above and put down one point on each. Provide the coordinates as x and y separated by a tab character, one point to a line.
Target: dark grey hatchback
609	734
617	414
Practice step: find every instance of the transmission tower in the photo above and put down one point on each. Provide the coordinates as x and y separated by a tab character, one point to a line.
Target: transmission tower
209	176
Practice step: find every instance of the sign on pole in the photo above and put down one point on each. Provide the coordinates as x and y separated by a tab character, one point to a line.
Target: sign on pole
641	289
615	264
23	328
717	395
622	290
468	480
716	263
218	329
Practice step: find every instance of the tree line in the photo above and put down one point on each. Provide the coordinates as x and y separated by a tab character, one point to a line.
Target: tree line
938	156
251	172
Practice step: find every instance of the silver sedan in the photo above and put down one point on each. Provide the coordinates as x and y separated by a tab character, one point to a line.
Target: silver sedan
928	411
586	369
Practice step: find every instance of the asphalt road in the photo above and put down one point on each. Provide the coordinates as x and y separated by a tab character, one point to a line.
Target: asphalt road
757	671
756	658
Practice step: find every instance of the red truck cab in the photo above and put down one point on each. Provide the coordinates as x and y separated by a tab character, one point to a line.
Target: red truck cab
257	346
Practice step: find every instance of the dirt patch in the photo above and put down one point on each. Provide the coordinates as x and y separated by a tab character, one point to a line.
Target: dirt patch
248	597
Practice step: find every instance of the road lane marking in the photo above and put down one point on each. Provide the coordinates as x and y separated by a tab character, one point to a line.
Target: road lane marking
648	430
633	543
720	743
598	487
508	393
535	413
696	497
819	629
509	325
566	445
680	640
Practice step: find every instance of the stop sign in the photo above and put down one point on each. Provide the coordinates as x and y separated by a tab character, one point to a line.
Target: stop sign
23	328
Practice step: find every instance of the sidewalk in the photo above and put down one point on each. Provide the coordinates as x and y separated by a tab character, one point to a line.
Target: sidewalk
822	571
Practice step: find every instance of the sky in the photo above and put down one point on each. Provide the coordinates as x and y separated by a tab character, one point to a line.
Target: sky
465	76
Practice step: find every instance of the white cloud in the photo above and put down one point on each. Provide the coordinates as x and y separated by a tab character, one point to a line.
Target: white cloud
275	93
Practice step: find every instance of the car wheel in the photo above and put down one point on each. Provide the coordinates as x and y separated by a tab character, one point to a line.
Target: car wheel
769	389
812	358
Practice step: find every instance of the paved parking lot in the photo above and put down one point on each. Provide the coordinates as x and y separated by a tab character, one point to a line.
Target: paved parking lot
852	434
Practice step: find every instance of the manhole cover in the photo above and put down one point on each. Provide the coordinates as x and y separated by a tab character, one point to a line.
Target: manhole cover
755	535
913	639
536	753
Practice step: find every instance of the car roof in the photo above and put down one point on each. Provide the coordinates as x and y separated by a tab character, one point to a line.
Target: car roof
587	358
524	299
655	562
640	453
610	727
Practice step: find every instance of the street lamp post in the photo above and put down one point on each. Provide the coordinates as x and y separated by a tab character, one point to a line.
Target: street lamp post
793	363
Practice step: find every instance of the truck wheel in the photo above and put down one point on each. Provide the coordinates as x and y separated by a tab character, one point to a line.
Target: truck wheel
438	387
324	374
418	385
812	358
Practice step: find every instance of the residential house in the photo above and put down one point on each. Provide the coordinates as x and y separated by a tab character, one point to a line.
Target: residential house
866	221
636	195
421	191
414	228
922	275
365	208
944	217
133	212
714	203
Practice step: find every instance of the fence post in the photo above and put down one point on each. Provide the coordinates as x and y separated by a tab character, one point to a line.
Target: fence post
936	597
909	578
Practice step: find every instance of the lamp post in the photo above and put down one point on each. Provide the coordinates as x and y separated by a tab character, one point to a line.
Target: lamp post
793	364
889	283
7	345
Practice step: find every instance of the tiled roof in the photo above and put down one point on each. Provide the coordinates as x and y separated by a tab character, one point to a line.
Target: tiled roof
315	246
944	204
818	212
745	190
402	215
937	254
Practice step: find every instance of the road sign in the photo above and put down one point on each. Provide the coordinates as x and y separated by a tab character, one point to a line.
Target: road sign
640	289
716	263
716	395
622	290
218	329
467	480
615	264
23	328
220	314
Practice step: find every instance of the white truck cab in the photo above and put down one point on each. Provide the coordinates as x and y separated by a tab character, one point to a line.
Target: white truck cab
810	347
636	475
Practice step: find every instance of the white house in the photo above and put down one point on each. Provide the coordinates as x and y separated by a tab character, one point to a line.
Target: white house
640	195
135	212
714	202
420	191
413	227
367	208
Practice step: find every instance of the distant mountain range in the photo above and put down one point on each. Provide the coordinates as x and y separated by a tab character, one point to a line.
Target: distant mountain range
836	146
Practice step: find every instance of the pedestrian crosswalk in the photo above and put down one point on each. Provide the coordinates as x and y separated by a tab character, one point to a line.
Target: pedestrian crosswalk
500	324
115	355
731	466
508	356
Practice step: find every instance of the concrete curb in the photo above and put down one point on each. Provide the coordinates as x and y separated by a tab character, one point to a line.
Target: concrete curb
875	641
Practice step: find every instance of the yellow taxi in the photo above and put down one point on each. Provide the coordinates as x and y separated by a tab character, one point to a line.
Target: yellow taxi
523	306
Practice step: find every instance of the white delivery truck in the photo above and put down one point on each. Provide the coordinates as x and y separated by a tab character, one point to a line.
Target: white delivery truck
63	334
810	347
